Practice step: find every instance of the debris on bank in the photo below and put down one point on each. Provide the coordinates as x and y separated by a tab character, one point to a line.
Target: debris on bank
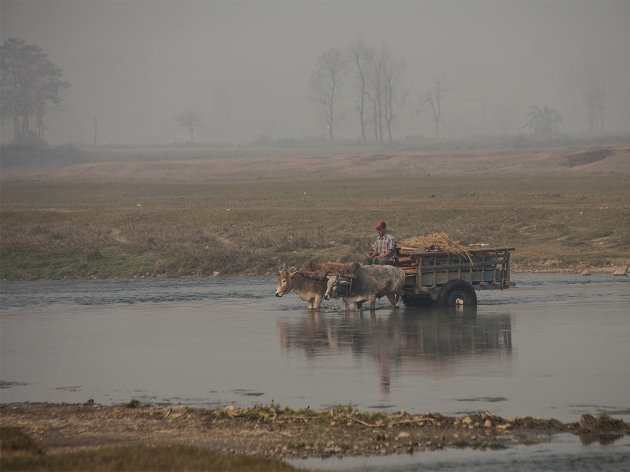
275	432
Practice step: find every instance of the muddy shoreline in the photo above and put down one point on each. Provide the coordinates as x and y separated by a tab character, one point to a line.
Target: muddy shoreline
273	432
614	267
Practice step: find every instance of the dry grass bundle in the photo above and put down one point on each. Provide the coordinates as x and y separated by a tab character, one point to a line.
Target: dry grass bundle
435	239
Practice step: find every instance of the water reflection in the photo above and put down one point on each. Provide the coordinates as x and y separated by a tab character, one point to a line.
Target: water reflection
410	338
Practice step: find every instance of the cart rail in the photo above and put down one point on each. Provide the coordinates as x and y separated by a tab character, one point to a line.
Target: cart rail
427	272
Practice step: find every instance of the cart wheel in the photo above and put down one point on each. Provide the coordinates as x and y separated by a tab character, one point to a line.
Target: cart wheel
457	292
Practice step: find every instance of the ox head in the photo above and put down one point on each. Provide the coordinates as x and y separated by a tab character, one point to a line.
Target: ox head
284	283
330	287
336	287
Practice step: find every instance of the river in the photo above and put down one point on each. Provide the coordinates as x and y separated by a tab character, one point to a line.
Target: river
554	346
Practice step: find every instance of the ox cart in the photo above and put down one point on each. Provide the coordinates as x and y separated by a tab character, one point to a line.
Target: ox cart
446	278
437	277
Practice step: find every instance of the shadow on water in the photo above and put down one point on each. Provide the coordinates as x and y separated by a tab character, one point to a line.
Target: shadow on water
408	337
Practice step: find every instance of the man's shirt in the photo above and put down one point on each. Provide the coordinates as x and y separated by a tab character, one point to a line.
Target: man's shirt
384	244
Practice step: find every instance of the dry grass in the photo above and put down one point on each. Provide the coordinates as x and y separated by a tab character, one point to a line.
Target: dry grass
441	242
74	229
201	166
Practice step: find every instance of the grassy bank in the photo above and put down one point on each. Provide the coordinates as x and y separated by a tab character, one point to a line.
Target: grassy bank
140	458
52	230
47	436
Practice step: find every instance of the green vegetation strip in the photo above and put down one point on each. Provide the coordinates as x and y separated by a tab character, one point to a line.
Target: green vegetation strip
141	458
134	436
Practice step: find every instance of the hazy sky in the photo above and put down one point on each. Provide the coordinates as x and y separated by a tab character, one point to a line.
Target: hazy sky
244	66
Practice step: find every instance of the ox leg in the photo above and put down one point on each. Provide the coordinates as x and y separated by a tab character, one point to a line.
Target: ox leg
317	302
350	304
372	303
394	299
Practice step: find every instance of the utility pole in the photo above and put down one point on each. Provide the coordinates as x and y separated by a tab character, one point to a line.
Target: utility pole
95	130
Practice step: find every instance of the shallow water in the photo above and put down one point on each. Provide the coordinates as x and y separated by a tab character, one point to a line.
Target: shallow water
553	346
565	453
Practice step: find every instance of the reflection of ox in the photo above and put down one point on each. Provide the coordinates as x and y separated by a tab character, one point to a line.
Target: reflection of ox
369	283
309	283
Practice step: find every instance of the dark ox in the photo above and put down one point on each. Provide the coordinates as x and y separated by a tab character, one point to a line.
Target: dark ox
369	283
309	289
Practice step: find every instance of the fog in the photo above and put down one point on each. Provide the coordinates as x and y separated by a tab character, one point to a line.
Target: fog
244	67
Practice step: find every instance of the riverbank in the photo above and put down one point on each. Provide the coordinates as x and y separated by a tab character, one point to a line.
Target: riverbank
617	266
273	432
29	268
252	215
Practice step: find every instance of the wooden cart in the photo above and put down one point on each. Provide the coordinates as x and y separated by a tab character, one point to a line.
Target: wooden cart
451	279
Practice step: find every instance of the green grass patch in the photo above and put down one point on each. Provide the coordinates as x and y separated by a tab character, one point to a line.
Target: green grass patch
307	412
141	458
13	439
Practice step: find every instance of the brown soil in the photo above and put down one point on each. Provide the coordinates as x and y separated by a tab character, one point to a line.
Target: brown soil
278	433
592	160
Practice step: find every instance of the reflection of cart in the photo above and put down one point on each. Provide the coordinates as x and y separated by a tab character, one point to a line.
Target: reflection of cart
451	279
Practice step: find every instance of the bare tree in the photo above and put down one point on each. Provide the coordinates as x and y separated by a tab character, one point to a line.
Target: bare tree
543	120
384	90
190	120
360	57
395	94
375	92
594	102
433	98
330	68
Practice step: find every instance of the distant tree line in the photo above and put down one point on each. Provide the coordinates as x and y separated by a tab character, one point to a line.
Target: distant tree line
365	79
371	78
29	84
377	95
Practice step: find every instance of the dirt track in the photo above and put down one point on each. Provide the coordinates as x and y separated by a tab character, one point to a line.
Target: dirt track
277	433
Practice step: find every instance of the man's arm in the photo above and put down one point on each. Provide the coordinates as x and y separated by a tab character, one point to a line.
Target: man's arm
384	255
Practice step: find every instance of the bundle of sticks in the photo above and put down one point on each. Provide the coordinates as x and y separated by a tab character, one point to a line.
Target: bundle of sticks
439	242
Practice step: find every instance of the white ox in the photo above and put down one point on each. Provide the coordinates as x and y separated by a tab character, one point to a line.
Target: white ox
369	283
